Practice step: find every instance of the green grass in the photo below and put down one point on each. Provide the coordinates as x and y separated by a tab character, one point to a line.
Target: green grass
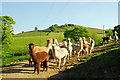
104	64
21	41
7	61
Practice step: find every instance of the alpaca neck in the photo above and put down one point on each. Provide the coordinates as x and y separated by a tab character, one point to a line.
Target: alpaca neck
81	44
69	44
48	46
33	54
55	52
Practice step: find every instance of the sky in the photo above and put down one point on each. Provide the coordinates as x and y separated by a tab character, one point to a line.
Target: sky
29	15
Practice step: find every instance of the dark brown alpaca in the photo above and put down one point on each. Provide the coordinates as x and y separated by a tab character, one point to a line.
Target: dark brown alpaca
38	58
106	39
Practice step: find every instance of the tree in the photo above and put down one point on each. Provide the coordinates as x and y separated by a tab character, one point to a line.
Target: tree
52	28
117	28
76	33
7	32
36	28
56	25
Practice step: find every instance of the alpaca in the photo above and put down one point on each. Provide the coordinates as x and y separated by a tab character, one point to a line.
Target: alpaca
39	57
92	44
86	48
81	47
60	55
78	48
55	41
108	38
84	40
115	36
61	44
69	48
42	49
46	49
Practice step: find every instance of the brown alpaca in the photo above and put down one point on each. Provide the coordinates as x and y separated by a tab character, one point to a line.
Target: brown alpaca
39	57
41	49
85	49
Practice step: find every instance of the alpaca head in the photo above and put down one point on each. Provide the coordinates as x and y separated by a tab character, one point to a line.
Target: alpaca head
69	39
80	38
31	45
83	38
49	41
54	46
55	41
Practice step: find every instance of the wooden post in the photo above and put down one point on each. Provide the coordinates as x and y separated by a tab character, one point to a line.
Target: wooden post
103	31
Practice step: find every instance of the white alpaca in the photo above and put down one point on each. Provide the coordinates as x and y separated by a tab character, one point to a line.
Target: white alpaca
55	41
115	37
69	48
91	46
81	46
60	55
84	41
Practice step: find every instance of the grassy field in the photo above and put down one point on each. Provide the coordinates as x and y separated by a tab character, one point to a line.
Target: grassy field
21	41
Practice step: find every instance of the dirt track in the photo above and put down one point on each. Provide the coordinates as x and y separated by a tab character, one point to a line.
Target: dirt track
24	70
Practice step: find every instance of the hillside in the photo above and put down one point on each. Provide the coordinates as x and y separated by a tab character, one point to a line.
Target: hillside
58	29
21	41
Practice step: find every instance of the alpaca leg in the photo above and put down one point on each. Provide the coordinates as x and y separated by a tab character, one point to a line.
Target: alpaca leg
35	67
43	65
78	54
46	65
59	63
87	51
64	60
90	51
70	53
38	68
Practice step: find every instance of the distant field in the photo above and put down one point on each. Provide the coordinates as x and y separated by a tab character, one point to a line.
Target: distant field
21	41
39	38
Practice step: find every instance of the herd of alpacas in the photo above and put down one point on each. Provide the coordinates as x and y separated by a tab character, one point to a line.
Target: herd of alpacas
59	51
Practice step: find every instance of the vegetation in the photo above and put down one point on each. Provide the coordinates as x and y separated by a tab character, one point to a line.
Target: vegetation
103	64
76	33
6	23
19	47
36	28
7	32
109	32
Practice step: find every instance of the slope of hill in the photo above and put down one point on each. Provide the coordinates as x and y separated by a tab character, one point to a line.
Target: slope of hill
58	29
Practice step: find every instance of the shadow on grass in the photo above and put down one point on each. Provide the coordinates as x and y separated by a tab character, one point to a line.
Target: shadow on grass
106	65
